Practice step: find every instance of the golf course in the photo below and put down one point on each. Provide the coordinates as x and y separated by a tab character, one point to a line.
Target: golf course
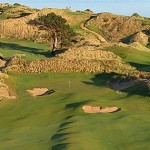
57	122
75	75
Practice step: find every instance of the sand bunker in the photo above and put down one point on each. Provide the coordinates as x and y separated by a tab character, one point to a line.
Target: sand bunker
40	91
95	109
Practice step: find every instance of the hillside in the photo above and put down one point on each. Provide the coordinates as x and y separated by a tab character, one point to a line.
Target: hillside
118	28
82	59
20	28
15	11
93	28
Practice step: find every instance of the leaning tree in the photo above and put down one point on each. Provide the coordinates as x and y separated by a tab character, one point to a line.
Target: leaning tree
57	28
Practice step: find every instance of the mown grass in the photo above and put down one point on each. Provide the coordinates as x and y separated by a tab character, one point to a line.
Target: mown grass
30	49
93	28
97	30
77	13
139	59
57	122
76	28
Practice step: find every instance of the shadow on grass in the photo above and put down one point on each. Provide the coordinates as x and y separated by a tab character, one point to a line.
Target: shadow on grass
62	146
141	89
65	124
104	79
73	106
101	79
59	136
36	51
12	46
140	67
48	93
68	117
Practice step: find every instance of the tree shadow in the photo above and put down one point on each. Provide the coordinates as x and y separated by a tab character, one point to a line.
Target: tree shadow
37	51
59	51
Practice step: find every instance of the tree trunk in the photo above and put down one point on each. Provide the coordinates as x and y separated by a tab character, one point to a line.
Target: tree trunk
54	43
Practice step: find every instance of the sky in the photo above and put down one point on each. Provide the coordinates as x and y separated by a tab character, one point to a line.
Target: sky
122	7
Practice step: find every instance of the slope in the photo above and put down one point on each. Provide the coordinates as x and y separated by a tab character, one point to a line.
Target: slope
115	27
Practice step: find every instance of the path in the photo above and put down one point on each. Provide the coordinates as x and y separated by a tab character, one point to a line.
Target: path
99	37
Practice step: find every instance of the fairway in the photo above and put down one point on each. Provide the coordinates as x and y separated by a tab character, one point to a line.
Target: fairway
28	49
57	122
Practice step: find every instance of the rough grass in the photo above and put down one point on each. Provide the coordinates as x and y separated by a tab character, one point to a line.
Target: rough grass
146	21
93	28
56	122
2	17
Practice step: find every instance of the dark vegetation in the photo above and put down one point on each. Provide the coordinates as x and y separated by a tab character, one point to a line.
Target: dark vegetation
58	30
